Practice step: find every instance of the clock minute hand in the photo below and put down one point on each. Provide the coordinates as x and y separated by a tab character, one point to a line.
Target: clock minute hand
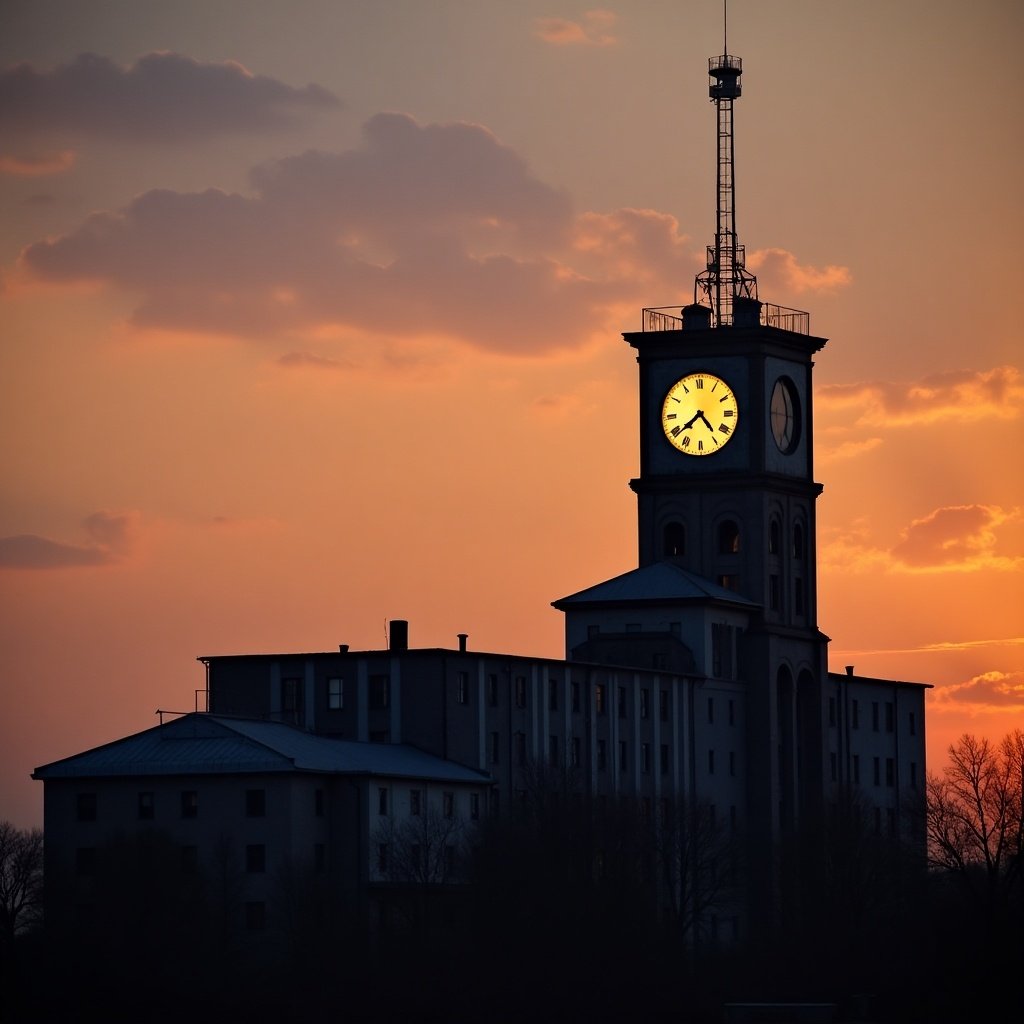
700	414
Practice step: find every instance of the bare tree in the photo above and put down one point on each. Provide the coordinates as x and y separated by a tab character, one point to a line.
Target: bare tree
974	817
21	879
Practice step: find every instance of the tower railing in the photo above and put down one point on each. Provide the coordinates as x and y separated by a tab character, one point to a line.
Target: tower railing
669	318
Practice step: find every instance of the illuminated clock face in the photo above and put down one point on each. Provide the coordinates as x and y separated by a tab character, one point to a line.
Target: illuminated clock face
785	415
700	414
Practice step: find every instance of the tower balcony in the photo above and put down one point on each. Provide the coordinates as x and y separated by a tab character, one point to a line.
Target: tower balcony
669	318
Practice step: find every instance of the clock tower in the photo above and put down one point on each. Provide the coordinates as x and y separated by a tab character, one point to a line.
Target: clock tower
726	522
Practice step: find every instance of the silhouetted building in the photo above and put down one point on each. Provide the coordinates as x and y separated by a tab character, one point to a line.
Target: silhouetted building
696	681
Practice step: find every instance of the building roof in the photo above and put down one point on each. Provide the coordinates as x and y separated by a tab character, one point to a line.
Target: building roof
203	744
658	583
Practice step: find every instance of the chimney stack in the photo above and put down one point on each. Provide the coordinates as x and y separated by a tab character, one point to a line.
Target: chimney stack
398	635
463	637
849	670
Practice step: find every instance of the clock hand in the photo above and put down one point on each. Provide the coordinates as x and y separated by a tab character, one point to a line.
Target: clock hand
689	423
700	413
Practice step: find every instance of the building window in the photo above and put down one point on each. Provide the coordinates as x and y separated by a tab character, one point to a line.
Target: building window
664	759
728	537
382	801
798	596
890	716
85	807
912	724
856	768
798	542
494	750
85	860
335	693
876	770
189	803
318	803
711	762
774	595
492	690
291	695
319	857
834	762
382	858
602	756
890	817
520	691
855	714
575	751
913	775
255	858
711	710
574	690
474	806
732	712
645	703
721	650
774	537
663	705
622	702
520	741
255	916
623	755
147	806
728	581
675	540
379	692
448	804
599	698
878	821
732	763
255	803
189	860
553	751
552	695
874	715
831	711
463	687
645	758
414	801
890	772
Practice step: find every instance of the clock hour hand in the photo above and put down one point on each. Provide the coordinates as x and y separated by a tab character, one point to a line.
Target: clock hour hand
696	416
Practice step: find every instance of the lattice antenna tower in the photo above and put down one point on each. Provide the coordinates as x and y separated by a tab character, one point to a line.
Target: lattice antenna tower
726	277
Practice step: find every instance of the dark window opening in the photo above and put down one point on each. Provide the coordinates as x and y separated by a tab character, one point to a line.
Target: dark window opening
728	537
675	540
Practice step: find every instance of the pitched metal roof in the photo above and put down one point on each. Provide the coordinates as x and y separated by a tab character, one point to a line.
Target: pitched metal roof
658	583
203	744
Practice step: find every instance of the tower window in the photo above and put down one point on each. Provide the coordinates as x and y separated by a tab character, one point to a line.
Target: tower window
774	599
728	537
798	542
675	540
774	537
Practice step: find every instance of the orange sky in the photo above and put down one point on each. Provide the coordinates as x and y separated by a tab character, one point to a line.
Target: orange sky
310	318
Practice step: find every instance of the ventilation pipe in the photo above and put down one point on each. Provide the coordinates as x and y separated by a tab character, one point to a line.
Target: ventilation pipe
463	637
398	635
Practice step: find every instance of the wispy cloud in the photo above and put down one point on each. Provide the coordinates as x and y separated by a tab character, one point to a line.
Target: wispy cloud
111	536
781	270
994	689
162	96
37	165
594	29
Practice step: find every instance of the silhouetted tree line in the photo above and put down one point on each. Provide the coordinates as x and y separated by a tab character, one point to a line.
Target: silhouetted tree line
568	908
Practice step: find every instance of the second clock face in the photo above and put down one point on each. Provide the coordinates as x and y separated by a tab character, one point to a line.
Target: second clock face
699	414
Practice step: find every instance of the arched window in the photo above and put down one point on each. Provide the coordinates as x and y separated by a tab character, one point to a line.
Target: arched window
798	542
728	537
774	537
675	540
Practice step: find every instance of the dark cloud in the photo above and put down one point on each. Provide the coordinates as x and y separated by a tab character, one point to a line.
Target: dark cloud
110	535
162	96
422	230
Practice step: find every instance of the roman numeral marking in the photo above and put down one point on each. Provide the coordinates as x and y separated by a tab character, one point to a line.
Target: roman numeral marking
686	441
670	415
676	431
728	412
700	383
723	427
700	446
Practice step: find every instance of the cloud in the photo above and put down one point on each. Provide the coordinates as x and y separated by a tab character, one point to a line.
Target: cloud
423	230
961	537
995	689
595	29
309	360
161	97
955	538
111	537
780	270
957	395
37	165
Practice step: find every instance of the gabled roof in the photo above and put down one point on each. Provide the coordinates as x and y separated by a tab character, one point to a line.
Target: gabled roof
656	584
203	744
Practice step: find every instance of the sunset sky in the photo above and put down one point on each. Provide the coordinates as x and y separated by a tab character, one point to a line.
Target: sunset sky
311	315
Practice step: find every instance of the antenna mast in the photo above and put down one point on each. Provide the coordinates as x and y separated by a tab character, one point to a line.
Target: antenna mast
726	278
